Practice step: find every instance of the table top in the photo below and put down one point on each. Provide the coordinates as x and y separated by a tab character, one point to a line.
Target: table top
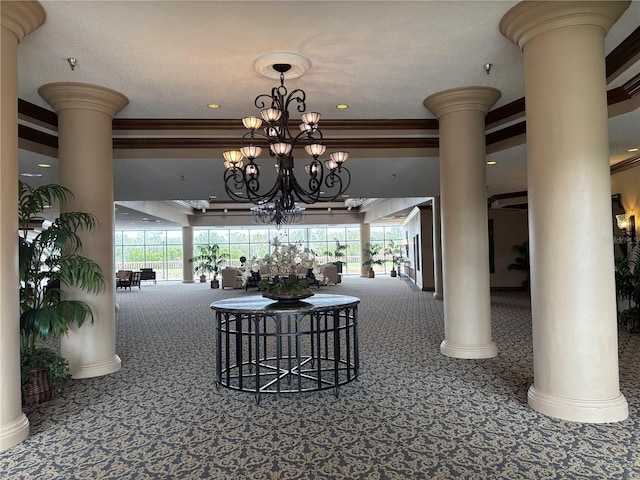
259	304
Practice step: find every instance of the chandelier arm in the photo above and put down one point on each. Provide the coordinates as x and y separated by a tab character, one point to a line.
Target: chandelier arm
234	181
334	178
299	96
272	100
258	198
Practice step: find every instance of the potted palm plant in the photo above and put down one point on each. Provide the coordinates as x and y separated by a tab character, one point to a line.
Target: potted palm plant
628	288
338	253
521	263
207	261
49	260
371	252
394	251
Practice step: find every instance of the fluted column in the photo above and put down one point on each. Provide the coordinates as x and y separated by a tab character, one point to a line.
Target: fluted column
187	254
573	299
465	243
85	153
365	237
437	249
18	19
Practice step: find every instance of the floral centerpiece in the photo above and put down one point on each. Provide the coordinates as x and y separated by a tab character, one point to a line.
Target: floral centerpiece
284	275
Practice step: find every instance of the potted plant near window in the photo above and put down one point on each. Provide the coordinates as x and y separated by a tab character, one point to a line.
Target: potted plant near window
394	250
371	252
338	253
47	261
208	260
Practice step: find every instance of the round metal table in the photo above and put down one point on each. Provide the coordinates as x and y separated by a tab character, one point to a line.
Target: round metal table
263	346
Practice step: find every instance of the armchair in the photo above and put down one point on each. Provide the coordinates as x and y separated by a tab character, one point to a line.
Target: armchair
232	277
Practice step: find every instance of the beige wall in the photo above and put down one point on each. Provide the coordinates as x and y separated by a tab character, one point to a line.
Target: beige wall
509	229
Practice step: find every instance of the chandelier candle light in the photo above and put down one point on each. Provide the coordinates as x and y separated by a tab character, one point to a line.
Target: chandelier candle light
325	181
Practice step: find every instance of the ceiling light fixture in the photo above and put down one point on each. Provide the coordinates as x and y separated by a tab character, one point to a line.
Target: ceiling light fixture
274	213
330	175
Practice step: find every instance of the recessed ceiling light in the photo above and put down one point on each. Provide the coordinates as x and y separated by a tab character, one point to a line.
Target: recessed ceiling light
27	174
213	105
633	150
342	106
44	165
491	163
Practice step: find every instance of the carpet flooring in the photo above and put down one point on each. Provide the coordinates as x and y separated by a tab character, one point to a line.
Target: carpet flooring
412	413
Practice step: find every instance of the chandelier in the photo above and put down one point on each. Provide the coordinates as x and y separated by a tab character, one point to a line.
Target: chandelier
273	213
324	180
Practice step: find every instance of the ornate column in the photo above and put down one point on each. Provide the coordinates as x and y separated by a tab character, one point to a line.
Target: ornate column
573	298
85	153
465	242
437	249
187	254
365	237
18	19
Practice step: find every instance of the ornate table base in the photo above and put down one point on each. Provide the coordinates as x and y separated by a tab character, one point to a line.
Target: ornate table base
265	347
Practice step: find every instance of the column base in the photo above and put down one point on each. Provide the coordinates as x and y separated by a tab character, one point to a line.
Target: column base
95	369
438	296
14	433
188	281
488	350
576	410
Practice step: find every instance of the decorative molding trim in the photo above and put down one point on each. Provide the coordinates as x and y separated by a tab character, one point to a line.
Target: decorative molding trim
37	136
625	164
340	143
42	115
506	133
623	53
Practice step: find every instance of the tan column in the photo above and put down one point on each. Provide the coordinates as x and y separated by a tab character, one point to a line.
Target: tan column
465	242
18	19
187	254
85	154
365	237
572	277
437	249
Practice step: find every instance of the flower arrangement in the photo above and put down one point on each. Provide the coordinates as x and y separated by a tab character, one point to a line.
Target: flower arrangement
285	272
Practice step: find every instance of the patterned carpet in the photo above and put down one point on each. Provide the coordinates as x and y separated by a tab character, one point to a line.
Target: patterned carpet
412	414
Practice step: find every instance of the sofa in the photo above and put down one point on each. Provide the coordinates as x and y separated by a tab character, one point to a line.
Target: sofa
232	277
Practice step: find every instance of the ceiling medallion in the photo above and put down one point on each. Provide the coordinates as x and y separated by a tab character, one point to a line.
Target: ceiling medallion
324	181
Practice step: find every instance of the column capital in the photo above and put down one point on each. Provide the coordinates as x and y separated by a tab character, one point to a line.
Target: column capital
21	18
66	95
462	99
529	19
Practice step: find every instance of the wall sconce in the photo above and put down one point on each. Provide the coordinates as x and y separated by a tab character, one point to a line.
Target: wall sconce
627	223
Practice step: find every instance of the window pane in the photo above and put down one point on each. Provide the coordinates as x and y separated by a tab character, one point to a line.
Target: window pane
317	234
174	237
259	236
201	237
132	237
153	237
296	235
377	233
239	236
219	237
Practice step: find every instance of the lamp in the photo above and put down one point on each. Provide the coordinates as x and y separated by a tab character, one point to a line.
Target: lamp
274	213
325	180
627	223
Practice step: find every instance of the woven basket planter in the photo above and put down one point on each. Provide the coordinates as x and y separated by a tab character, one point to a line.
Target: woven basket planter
39	389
